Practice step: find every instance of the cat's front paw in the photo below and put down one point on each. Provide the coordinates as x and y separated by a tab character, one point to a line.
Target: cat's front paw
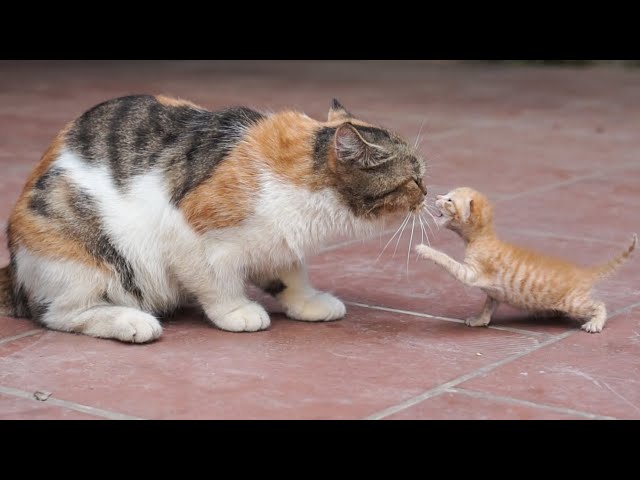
315	307
248	318
477	321
424	251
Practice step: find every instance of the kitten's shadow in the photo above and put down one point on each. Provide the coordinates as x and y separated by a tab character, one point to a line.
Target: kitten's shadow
523	320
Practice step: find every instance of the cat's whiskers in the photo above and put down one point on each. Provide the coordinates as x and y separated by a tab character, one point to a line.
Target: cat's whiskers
422	232
406	222
415	145
410	242
432	218
391	239
425	232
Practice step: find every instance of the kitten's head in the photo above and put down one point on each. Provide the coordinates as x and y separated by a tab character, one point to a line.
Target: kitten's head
374	170
465	211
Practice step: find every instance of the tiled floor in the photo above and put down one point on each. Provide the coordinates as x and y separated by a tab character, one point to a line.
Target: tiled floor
557	149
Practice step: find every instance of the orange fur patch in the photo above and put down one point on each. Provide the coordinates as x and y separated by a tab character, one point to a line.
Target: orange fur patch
41	235
281	144
176	102
284	142
224	200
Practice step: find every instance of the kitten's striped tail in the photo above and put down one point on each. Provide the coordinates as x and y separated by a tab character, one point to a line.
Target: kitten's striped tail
608	268
6	291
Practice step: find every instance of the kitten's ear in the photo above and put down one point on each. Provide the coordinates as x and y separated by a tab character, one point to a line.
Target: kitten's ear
467	209
338	112
351	148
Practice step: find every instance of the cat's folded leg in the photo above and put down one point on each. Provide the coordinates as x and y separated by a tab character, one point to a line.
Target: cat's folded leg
483	320
105	321
303	302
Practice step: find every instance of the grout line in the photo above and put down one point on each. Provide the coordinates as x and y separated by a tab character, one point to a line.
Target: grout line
626	309
70	405
21	335
448	319
433	392
515	401
559	236
570	181
463	378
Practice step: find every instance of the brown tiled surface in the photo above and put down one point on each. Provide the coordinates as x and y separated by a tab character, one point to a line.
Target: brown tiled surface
555	148
456	406
587	372
16	408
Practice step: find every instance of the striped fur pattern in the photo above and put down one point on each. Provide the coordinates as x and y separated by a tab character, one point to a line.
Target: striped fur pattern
512	274
145	203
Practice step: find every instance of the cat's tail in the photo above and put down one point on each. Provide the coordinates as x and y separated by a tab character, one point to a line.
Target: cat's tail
607	269
6	291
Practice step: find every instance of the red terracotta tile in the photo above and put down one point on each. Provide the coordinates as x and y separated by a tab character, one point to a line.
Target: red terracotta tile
594	208
14	326
455	406
598	373
503	130
14	408
347	369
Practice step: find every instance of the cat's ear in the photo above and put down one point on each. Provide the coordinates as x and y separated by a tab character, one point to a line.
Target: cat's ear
338	112
352	149
467	208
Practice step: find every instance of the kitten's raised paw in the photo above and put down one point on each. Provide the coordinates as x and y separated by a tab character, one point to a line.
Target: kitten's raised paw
248	318
423	250
316	308
592	327
477	322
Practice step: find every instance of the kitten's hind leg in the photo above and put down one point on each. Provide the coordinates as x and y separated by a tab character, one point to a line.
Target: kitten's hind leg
106	321
597	318
300	300
482	320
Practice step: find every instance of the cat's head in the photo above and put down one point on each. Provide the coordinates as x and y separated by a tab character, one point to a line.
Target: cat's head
464	210
373	169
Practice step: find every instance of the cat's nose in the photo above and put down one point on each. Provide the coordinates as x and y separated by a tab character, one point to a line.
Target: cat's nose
421	186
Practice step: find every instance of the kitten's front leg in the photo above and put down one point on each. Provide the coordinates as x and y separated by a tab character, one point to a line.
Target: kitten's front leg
484	318
462	273
303	302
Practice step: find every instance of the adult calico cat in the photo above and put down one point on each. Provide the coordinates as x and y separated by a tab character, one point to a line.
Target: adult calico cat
144	203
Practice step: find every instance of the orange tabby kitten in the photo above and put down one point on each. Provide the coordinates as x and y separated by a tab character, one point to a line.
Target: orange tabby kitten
511	274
